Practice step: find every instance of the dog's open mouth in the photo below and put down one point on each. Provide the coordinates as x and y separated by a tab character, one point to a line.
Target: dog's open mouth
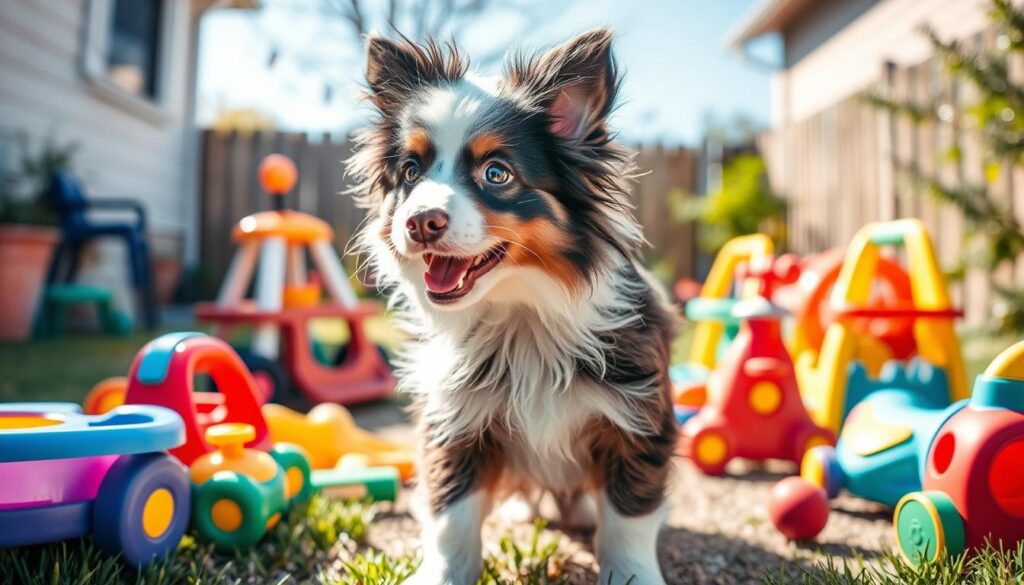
449	278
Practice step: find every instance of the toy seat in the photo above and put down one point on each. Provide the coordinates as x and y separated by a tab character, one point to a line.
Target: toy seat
78	229
57	298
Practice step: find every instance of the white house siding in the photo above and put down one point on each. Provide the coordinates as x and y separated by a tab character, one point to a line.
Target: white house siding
854	57
122	153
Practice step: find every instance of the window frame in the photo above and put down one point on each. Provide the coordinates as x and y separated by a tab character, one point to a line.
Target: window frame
99	17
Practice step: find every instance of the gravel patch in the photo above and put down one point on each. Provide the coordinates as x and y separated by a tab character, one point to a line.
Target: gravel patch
717	531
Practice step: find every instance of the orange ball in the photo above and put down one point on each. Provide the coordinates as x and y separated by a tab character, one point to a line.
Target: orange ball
277	174
798	508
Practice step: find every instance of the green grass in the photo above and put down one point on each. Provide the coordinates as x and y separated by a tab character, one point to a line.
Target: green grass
309	537
988	566
314	544
323	543
65	368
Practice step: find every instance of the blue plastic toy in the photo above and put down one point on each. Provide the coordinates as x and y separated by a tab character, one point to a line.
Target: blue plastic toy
64	474
884	442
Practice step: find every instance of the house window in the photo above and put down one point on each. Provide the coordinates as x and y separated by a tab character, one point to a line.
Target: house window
126	50
134	46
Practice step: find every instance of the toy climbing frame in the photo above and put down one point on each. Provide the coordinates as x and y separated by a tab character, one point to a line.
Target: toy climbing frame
823	376
273	248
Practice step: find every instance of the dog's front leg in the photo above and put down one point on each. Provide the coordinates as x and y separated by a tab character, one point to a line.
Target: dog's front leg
631	505
457	477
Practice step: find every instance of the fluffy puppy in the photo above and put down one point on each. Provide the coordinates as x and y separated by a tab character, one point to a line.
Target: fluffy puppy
500	223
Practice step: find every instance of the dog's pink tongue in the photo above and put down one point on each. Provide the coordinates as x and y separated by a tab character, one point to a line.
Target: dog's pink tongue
444	272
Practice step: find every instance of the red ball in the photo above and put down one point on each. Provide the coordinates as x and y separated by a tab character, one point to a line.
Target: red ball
798	508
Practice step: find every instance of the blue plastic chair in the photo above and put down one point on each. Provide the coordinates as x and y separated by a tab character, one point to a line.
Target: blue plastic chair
72	206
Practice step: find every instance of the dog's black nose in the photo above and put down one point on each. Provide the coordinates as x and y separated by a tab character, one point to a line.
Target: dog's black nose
427	226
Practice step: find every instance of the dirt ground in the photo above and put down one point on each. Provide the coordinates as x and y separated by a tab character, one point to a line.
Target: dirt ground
717	531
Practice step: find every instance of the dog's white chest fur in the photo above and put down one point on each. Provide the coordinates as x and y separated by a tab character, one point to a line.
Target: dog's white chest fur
517	366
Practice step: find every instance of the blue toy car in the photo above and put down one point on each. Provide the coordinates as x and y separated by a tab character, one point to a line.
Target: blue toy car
64	474
884	442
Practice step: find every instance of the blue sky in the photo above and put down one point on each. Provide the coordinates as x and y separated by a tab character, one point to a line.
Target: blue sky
678	71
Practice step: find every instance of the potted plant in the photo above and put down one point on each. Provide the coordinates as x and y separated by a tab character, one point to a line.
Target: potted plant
27	233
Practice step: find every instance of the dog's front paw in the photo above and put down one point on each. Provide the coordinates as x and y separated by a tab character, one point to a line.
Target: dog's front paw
436	575
425	577
627	575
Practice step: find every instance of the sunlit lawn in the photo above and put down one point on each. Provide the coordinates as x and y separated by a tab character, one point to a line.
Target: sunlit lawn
323	544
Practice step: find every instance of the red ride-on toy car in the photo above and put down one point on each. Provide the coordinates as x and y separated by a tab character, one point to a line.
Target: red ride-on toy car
973	483
164	374
754	410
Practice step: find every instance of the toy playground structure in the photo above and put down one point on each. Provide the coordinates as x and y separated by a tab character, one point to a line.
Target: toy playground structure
274	250
866	390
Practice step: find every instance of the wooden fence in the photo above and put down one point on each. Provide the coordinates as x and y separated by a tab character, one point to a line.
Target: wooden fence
230	191
846	166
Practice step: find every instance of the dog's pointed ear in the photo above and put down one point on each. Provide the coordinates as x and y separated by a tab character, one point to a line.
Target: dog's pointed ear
576	83
392	67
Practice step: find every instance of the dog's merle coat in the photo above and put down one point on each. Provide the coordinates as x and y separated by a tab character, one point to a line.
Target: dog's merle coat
547	369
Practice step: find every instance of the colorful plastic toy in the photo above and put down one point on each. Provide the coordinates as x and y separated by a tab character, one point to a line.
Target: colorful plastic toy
329	435
286	299
807	300
754	409
823	376
712	312
885	439
973	477
164	373
64	474
240	493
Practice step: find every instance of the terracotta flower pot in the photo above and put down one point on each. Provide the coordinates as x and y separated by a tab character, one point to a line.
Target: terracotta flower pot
25	253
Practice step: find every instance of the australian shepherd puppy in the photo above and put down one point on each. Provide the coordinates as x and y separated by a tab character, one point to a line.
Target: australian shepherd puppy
500	222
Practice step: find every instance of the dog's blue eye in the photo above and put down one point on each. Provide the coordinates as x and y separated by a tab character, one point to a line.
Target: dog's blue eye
497	174
411	173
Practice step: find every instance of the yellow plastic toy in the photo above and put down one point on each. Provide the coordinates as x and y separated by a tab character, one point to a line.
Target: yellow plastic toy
755	249
823	376
331	438
712	312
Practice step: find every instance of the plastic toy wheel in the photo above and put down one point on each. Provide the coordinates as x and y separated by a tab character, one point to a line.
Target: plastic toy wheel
710	451
228	510
271	378
820	468
105	395
928	527
809	439
297	471
339	358
142	507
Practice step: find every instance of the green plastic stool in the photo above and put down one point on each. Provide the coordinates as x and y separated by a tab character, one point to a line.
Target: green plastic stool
57	298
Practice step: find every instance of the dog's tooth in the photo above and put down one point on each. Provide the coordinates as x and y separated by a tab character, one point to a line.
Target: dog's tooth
462	281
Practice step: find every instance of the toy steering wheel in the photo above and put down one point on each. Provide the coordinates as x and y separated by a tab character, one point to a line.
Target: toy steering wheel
893	291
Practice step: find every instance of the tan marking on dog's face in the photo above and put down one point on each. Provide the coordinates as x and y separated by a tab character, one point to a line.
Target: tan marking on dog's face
485	144
537	243
418	142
